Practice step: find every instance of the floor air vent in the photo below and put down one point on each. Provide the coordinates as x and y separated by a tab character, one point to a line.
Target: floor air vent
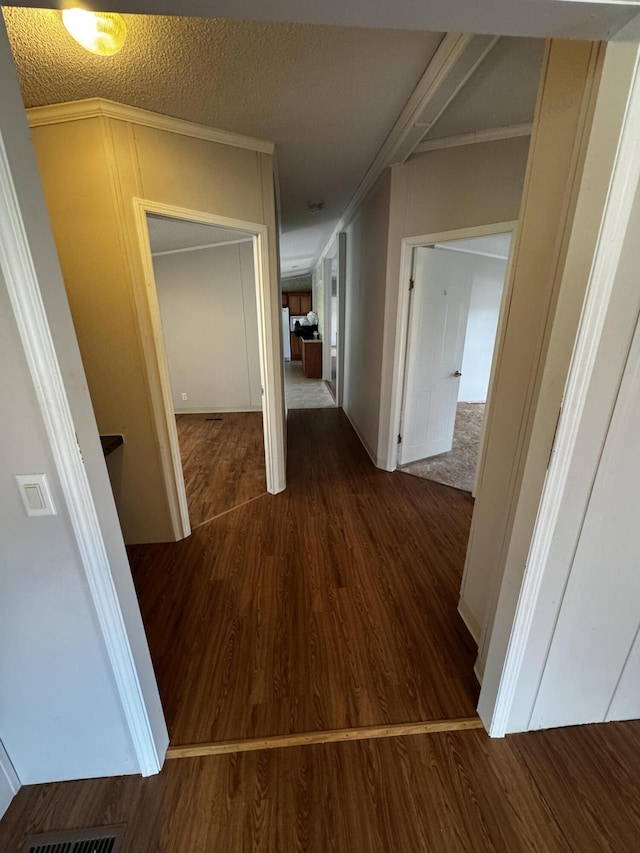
101	839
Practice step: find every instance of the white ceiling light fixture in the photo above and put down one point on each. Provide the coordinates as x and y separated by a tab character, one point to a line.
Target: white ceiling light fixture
102	33
315	207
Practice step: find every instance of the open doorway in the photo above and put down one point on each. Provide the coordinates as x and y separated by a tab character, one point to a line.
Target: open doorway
303	346
456	294
206	289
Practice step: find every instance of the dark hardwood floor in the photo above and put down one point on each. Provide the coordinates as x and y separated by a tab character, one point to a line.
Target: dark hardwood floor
222	461
329	606
566	790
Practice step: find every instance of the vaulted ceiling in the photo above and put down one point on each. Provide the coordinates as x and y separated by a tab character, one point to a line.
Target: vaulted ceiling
327	96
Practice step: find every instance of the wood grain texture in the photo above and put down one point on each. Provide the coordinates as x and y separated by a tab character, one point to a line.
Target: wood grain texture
331	736
222	461
442	793
329	606
594	793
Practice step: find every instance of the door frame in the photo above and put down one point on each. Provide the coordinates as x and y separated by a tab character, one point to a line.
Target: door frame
404	305
9	782
155	355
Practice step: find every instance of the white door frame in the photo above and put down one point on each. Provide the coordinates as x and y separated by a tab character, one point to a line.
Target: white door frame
155	356
341	256
402	325
327	277
9	782
592	332
21	271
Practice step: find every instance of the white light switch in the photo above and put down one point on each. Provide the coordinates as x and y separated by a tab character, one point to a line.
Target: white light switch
35	494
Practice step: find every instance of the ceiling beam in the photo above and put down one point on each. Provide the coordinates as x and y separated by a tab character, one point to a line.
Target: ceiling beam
455	60
510	131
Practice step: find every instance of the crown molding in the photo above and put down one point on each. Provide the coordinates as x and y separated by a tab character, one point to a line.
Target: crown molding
96	107
492	134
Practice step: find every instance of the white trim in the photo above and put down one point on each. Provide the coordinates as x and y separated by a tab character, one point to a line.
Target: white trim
9	782
155	353
493	134
101	107
198	248
222	410
342	315
613	232
471	252
363	441
26	300
456	58
327	281
8	771
400	354
472	624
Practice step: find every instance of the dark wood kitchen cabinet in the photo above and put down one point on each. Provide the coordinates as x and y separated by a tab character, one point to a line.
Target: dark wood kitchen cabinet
299	305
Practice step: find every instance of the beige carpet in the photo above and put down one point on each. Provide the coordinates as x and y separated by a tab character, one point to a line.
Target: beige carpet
457	467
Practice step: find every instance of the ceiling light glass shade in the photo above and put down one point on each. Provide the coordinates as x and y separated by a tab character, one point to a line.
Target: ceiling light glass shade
102	33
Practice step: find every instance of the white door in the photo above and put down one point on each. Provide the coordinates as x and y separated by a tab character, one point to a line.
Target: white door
435	344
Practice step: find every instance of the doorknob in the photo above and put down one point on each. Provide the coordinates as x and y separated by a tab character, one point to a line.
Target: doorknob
457	373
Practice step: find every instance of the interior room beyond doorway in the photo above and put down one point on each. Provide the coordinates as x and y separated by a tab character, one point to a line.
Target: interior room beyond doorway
206	289
454	313
303	347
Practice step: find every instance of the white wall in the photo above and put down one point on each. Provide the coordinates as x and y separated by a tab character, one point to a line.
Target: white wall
366	251
582	661
434	194
482	323
60	715
592	671
208	306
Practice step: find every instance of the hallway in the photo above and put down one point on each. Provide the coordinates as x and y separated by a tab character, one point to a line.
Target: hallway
331	605
334	604
304	393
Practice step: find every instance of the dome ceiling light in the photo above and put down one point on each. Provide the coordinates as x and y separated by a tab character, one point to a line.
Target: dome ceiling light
102	33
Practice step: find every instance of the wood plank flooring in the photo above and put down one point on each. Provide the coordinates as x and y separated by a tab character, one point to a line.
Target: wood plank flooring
222	461
569	790
329	606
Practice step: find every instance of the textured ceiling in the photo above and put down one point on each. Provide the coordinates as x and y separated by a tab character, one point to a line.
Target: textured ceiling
166	234
502	91
327	96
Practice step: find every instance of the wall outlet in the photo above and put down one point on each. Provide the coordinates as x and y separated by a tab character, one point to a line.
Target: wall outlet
184	396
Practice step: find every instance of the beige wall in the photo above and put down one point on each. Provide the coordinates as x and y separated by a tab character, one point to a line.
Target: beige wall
208	306
92	169
437	192
507	499
367	237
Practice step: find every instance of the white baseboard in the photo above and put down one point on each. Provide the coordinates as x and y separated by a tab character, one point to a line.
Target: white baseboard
364	443
219	410
9	782
470	621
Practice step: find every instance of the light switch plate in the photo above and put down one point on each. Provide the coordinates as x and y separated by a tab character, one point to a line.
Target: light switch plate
36	494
